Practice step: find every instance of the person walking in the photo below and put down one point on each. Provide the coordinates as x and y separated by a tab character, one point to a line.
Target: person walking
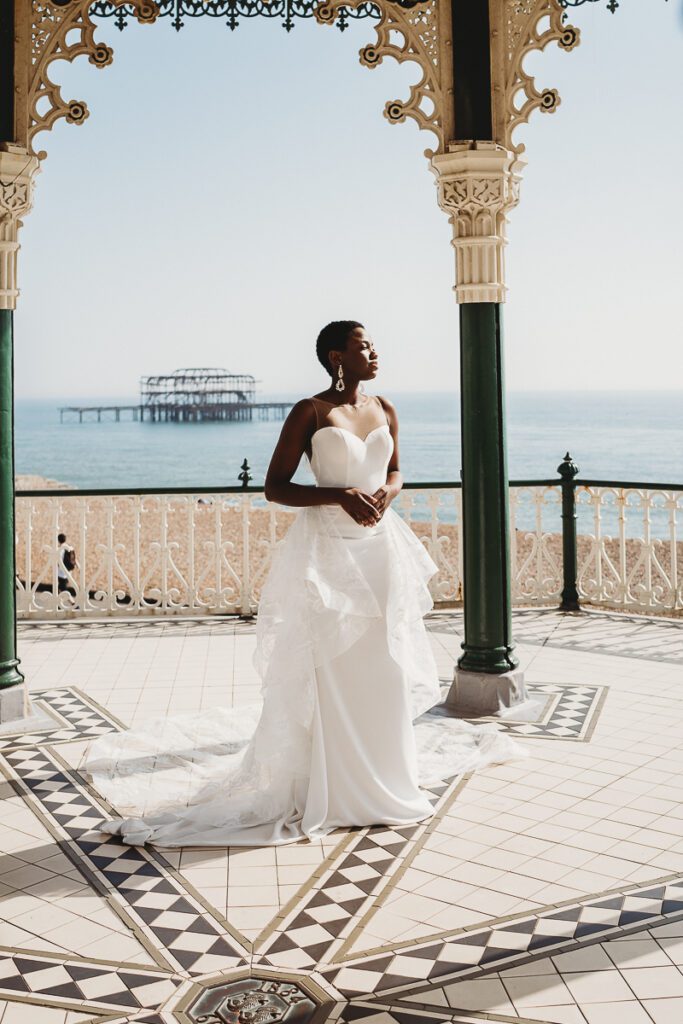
66	563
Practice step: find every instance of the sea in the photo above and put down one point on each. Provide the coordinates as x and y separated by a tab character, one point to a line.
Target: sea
618	436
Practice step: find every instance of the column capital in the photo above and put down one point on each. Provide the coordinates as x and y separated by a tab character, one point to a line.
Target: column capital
18	169
478	183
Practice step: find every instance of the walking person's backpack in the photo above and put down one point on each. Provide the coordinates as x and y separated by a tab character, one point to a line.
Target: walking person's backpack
69	559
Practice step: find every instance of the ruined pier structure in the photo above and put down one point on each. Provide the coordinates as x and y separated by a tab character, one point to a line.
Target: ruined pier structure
186	396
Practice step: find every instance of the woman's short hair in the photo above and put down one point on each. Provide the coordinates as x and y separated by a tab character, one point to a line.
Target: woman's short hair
334	337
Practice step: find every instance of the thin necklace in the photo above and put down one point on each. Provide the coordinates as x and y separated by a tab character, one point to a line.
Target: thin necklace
340	405
359	405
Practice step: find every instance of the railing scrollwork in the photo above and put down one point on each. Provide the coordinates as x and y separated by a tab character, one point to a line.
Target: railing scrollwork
208	552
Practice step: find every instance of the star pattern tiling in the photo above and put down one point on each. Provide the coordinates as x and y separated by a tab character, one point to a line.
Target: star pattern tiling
523	870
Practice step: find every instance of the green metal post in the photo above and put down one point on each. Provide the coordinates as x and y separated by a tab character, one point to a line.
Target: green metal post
9	663
488	645
570	594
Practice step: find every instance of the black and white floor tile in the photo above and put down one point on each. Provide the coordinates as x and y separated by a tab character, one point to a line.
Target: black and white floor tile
404	971
73	984
317	928
69	715
320	960
565	712
174	926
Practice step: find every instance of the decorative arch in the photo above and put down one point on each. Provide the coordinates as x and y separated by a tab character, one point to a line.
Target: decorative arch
417	31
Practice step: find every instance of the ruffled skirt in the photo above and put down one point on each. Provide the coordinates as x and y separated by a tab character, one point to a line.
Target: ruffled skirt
346	669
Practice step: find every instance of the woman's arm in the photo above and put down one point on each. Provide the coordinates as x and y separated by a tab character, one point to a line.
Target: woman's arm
295	437
385	494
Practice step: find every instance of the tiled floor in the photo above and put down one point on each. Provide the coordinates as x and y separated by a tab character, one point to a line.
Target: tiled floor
547	889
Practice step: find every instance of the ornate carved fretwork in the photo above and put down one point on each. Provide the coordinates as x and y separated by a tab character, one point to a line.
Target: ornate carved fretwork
478	183
408	34
528	25
17	172
422	34
232	12
63	31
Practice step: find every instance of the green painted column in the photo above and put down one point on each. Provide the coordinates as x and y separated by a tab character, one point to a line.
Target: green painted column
9	663
488	645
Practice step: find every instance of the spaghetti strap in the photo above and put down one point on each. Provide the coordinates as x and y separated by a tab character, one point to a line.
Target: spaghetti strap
315	406
384	412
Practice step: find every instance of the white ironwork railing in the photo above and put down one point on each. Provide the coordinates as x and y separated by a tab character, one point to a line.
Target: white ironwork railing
630	555
536	544
182	553
207	552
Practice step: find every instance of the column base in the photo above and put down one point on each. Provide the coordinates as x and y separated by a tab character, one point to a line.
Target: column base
478	694
494	660
10	674
13	704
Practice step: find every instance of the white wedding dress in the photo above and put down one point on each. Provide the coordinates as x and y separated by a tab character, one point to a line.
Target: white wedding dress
346	667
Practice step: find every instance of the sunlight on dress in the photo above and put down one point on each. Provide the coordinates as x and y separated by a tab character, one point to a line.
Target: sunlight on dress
346	667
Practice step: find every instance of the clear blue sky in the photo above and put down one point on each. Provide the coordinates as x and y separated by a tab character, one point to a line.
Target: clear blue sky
232	192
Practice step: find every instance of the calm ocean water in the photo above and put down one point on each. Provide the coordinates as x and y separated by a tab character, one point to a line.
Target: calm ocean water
617	436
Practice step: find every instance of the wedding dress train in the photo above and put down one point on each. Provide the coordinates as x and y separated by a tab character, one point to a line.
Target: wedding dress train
346	668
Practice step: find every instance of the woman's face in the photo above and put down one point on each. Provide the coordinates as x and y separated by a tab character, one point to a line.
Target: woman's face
359	358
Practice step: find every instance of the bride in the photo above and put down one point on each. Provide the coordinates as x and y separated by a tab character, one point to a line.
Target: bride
347	670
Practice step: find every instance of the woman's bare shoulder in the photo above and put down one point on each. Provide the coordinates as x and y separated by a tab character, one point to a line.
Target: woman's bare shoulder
387	405
302	412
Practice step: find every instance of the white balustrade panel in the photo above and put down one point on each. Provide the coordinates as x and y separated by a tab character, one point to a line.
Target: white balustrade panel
536	545
630	551
208	554
188	554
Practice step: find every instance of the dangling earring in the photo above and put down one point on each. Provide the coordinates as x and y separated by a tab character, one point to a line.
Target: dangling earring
340	382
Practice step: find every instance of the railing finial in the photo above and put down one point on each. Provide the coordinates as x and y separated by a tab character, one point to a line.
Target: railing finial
568	468
245	475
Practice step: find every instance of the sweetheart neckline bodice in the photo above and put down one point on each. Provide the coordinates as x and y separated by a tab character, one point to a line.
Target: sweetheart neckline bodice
332	426
337	461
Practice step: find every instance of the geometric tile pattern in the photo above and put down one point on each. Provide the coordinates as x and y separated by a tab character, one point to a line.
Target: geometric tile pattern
401	980
74	985
77	717
311	933
570	712
468	954
170	918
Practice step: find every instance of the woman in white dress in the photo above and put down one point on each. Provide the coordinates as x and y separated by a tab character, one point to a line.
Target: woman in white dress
341	649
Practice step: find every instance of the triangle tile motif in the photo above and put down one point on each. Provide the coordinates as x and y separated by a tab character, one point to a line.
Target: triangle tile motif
76	716
74	985
317	927
132	877
570	712
467	954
